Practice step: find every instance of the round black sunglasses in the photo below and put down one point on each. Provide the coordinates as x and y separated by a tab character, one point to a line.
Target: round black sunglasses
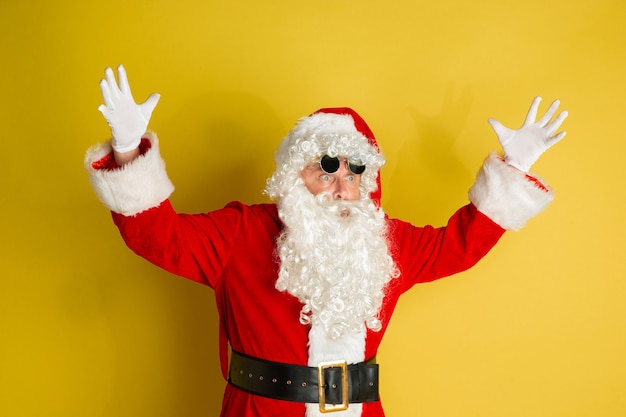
330	165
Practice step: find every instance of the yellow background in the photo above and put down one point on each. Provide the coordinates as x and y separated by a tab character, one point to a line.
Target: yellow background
536	329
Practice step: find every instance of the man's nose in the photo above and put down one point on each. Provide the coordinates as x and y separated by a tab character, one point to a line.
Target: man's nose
341	191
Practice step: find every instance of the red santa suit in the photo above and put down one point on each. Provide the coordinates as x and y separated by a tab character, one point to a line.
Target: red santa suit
232	250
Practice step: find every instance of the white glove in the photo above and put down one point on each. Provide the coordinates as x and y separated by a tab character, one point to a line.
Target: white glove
523	147
127	119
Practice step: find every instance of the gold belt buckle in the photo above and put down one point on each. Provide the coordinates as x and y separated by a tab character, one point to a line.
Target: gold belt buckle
329	408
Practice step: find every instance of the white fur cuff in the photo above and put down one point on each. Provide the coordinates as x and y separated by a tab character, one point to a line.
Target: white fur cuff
506	195
135	187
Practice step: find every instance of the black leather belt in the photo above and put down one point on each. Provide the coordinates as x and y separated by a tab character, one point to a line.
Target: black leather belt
331	384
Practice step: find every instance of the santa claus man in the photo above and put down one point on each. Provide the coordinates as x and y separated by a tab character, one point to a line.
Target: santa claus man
306	287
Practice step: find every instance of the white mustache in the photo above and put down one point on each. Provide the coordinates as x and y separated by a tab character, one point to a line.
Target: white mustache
341	208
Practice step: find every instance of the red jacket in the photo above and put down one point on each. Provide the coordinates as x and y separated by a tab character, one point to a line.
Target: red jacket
231	250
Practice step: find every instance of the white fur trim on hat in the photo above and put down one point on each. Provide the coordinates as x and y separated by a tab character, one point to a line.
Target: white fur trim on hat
507	195
135	187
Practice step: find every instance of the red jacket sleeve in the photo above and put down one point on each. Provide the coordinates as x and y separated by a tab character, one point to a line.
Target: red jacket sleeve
192	246
425	254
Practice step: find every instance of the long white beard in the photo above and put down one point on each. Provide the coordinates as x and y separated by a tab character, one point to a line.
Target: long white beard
335	259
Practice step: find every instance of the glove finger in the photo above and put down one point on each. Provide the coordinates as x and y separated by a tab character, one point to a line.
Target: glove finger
494	124
148	106
498	127
556	123
123	79
549	113
106	95
553	140
114	91
532	112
